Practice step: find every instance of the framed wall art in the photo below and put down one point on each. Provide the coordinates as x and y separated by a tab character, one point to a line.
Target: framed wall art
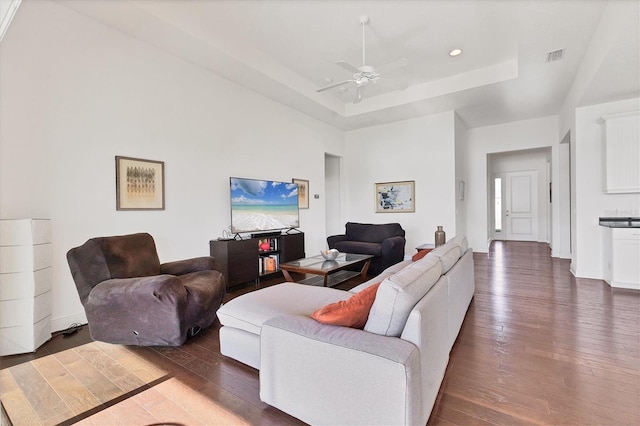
395	197
139	184
303	193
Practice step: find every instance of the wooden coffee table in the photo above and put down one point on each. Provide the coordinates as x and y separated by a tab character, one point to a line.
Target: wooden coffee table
330	272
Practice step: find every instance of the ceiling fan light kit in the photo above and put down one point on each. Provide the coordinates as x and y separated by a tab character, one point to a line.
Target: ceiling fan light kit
365	74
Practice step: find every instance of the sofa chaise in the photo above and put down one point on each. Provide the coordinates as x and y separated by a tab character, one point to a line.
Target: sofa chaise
387	373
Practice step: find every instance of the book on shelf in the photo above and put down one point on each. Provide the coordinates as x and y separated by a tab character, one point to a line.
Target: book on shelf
270	264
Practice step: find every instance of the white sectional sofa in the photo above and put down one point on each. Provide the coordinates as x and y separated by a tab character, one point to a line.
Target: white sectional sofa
388	373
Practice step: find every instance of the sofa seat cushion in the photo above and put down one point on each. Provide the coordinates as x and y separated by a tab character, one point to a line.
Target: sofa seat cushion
399	293
360	247
249	311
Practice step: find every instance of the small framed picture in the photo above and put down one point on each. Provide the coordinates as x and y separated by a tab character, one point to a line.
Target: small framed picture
395	197
139	184
303	193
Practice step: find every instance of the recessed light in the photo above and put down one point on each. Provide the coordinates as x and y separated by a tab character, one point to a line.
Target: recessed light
455	52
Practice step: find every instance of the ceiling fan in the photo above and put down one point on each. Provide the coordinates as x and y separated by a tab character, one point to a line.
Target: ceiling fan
364	75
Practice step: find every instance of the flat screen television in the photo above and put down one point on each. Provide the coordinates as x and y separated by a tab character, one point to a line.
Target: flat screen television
263	205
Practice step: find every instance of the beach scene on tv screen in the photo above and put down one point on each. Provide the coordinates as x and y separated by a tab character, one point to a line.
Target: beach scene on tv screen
259	205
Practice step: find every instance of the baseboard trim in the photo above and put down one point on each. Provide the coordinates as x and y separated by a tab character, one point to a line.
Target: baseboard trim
63	323
628	286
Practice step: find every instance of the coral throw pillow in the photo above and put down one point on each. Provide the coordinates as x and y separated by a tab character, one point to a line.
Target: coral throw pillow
352	312
419	255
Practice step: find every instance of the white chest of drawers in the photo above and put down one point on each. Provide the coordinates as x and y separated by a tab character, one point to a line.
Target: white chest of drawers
25	284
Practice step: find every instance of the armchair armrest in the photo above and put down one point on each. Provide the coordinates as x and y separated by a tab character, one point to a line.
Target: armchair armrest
113	309
393	250
360	377
181	267
332	240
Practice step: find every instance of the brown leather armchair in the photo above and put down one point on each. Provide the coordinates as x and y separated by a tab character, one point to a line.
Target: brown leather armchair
130	298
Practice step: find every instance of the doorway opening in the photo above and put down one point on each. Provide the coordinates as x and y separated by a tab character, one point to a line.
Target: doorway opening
333	205
518	201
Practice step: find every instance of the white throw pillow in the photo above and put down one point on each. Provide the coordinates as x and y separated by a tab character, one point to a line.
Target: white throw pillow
399	293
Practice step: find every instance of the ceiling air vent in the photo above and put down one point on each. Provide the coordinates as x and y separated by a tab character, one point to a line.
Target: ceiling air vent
556	55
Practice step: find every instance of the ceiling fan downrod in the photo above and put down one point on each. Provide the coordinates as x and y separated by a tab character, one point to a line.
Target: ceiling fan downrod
364	20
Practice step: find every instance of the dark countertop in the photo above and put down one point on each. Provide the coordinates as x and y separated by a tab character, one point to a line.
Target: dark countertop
620	222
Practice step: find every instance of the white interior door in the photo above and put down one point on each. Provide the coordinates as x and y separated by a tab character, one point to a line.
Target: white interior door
521	206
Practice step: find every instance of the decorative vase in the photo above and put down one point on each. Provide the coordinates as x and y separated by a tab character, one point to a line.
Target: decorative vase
441	236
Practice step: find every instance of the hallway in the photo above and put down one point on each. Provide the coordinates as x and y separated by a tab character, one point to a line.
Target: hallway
539	346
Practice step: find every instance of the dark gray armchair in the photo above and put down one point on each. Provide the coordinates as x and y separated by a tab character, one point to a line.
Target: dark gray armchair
130	298
384	241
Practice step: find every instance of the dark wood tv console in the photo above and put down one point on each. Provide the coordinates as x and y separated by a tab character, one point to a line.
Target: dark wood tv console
243	260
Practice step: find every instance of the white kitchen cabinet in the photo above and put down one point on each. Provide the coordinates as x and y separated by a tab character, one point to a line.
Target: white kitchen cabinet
621	250
25	284
621	153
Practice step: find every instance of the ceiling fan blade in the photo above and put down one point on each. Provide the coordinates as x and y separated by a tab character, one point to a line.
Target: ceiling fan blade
331	86
359	94
392	66
347	66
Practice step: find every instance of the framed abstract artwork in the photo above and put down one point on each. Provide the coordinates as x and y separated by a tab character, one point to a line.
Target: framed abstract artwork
139	184
395	197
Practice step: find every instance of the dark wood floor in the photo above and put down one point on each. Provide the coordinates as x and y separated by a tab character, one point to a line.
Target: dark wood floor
537	347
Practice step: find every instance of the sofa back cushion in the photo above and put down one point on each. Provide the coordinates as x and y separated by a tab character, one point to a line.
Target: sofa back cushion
448	254
373	233
461	241
384	274
104	258
399	293
130	256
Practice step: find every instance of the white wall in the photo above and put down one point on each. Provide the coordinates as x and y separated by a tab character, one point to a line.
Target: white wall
482	141
420	149
75	94
590	201
527	160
